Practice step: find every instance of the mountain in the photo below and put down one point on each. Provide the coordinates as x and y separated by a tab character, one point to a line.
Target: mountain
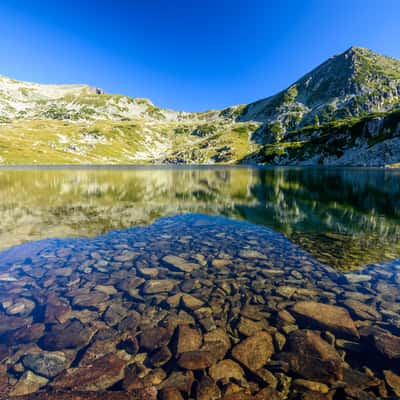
343	112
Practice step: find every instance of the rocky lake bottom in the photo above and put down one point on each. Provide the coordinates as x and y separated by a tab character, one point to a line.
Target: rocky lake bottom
194	307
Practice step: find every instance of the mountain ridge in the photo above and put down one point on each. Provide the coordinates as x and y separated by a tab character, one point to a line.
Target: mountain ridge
80	123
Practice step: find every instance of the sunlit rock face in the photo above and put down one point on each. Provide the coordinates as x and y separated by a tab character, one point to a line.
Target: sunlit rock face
192	305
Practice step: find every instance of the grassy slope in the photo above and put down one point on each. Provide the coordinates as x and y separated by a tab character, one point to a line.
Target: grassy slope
112	142
71	124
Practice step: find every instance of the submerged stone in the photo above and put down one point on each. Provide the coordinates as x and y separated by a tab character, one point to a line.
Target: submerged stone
187	339
226	370
312	358
71	335
47	364
255	351
99	375
393	380
180	264
325	316
159	286
28	383
197	359
388	345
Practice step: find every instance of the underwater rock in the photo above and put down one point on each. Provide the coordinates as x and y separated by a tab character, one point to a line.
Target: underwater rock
313	358
255	351
99	375
47	364
325	316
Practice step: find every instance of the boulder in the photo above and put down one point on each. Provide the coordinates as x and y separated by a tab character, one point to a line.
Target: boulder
100	375
335	319
153	338
312	357
47	364
156	286
387	344
255	351
195	360
217	342
207	389
28	383
187	339
180	264
71	335
226	370
393	381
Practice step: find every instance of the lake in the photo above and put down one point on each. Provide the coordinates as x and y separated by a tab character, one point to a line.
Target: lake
199	283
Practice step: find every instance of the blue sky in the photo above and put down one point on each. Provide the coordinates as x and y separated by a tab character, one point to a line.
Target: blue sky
187	55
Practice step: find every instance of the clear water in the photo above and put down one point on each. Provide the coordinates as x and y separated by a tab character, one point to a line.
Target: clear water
293	264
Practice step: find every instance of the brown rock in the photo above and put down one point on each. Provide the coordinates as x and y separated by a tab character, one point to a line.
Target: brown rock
196	359
4	381
94	300
9	324
362	310
187	339
207	389
22	307
190	302
71	335
103	373
57	311
28	383
325	316
313	358
248	327
159	286
356	380
242	395
47	364
161	356
268	394
26	334
255	351
387	344
180	264
303	384
114	314
393	381
182	381
217	342
140	394
226	370
97	349
171	393
4	352
153	338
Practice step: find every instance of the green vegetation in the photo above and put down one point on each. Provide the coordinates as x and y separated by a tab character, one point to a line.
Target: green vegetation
321	114
332	138
290	95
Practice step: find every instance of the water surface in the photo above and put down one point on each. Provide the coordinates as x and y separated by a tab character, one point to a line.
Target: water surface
344	217
228	283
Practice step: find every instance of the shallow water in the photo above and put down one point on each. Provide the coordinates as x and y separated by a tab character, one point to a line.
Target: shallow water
195	305
345	218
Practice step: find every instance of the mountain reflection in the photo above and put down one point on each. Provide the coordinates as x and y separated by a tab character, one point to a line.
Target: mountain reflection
344	217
